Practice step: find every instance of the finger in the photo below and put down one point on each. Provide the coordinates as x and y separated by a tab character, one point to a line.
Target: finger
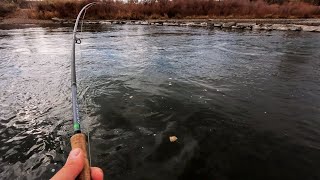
73	166
96	173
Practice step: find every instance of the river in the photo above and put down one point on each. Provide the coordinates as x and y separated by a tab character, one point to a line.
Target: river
243	104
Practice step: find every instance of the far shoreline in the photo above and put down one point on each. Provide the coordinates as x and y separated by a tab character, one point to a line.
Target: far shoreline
306	21
310	24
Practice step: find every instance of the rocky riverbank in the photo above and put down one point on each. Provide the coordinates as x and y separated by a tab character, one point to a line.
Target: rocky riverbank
310	25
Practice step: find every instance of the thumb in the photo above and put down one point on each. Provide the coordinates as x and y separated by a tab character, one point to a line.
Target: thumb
73	166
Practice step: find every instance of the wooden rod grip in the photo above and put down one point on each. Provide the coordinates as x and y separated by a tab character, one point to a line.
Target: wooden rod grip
79	141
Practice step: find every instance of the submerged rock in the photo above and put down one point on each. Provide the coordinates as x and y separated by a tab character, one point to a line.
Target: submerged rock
210	23
286	27
310	28
247	26
257	27
190	24
217	25
105	22
170	24
238	26
157	23
267	27
131	22
92	22
204	24
228	24
243	26
280	27
295	28
145	23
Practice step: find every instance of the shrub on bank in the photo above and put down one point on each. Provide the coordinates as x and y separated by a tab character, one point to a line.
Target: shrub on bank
6	8
162	9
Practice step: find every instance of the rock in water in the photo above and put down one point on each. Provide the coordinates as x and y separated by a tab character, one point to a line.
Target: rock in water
217	25
228	24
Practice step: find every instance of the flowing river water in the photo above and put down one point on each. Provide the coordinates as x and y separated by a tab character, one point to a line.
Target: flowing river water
243	104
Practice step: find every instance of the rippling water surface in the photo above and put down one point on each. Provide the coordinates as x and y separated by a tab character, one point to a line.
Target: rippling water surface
243	104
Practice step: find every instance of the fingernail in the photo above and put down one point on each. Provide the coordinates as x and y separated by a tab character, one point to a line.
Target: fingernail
74	153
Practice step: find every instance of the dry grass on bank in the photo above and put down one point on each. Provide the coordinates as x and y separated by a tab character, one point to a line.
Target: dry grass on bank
163	9
7	8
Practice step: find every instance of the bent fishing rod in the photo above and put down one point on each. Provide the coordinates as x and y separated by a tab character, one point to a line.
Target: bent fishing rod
78	140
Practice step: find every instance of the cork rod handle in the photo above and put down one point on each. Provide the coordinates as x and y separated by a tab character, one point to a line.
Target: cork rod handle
79	141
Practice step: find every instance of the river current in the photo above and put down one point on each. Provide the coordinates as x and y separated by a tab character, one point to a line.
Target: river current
243	104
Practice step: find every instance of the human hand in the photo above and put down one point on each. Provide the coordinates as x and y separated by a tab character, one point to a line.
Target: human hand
74	166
